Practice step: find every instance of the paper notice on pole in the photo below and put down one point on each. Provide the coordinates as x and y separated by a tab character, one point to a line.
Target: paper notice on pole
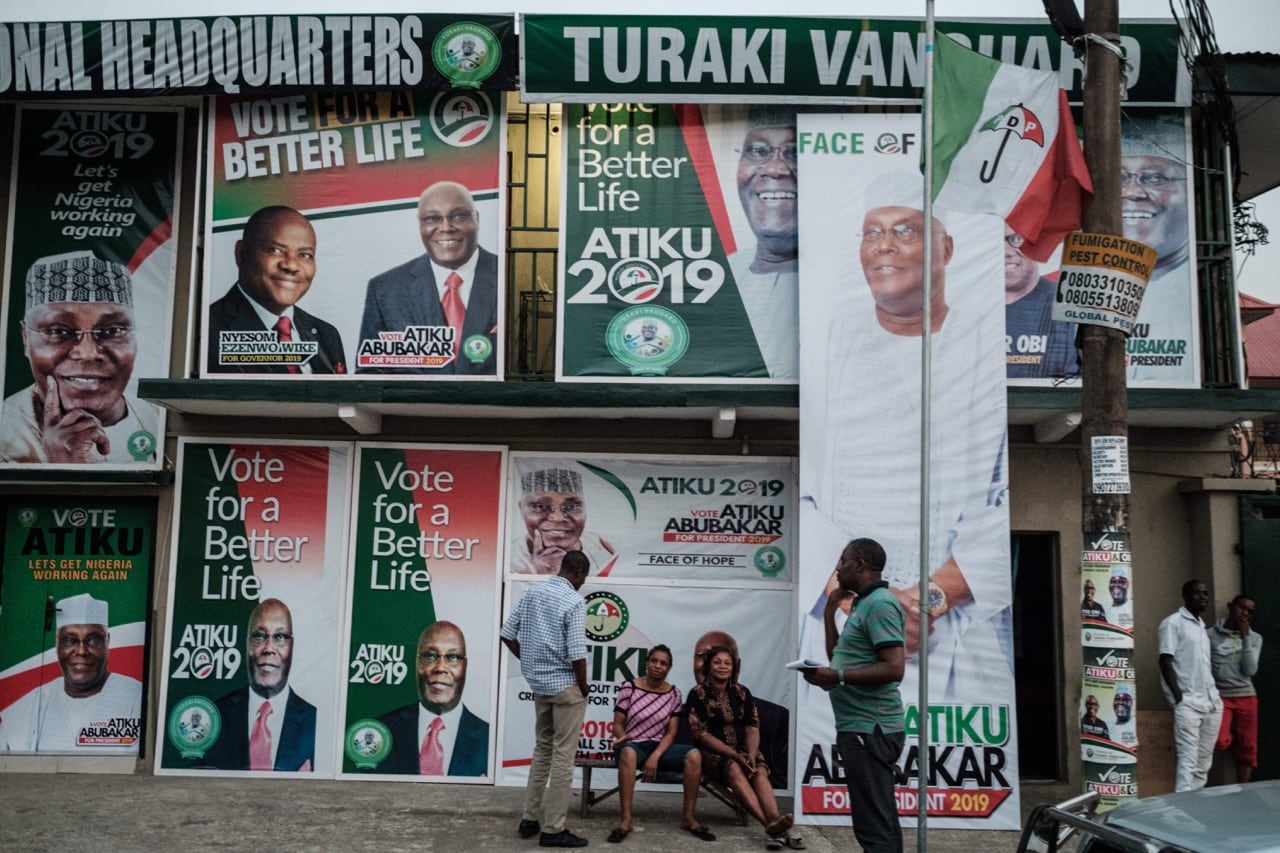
1102	280
1110	457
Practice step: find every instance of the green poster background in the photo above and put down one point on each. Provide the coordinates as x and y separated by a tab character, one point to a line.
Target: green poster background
645	240
55	548
426	548
98	179
254	521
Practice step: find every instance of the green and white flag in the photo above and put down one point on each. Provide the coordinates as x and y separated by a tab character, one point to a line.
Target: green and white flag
1005	143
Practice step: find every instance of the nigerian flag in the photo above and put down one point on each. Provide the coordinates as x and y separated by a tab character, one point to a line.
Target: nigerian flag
1004	142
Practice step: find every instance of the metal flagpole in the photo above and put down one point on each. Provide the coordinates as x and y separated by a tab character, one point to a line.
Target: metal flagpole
926	420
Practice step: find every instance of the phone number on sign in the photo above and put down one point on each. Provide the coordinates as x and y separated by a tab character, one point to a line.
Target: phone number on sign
1099	299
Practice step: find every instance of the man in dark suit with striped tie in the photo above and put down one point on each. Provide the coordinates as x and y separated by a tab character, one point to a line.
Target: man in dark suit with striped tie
276	258
454	284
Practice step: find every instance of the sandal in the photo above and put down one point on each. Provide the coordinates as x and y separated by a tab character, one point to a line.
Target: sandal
699	832
793	842
618	834
779	827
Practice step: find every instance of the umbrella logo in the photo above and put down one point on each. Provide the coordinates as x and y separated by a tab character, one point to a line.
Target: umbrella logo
1018	121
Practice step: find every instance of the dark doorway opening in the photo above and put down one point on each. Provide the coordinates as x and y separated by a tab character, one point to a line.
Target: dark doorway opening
1037	662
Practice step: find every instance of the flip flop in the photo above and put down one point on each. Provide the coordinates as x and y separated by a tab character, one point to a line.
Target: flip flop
700	832
794	842
779	827
618	834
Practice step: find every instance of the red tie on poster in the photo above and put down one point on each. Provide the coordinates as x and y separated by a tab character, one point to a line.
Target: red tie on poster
284	333
454	311
431	757
260	737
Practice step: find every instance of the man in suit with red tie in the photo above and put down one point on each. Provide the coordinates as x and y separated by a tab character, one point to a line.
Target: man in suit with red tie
266	725
438	735
276	258
454	284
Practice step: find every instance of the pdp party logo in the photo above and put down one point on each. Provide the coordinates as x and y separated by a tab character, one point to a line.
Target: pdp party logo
607	616
770	560
466	53
367	743
635	281
894	143
27	517
461	119
194	726
647	339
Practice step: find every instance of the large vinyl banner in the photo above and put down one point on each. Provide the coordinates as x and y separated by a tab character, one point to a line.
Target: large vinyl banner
254	608
860	423
683	551
89	284
1156	200
76	583
422	650
355	233
679	246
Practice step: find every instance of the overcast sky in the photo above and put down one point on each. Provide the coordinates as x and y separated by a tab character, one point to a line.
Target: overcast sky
1240	25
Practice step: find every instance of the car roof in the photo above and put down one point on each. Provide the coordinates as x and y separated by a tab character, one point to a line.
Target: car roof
1224	819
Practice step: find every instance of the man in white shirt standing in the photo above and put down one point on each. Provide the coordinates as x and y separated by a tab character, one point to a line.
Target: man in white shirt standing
1188	685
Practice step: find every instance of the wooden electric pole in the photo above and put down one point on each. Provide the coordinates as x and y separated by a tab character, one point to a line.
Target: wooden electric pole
1104	397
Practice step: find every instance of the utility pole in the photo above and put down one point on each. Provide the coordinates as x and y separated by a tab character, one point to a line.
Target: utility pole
1104	397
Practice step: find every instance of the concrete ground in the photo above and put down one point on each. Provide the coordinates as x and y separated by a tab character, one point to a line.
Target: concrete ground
68	812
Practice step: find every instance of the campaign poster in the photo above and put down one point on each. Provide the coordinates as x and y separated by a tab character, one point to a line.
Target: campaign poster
1108	701
654	518
1156	204
683	550
73	630
679	245
860	463
90	271
355	233
625	620
254	609
420	662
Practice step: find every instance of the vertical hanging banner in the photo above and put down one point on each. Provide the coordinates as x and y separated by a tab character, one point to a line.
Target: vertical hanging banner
421	657
1156	193
860	409
355	233
73	630
255	591
1108	725
684	551
679	243
90	272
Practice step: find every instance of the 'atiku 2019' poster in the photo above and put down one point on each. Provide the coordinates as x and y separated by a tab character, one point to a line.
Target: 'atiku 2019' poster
90	269
860	427
423	637
254	601
679	245
316	217
683	551
73	631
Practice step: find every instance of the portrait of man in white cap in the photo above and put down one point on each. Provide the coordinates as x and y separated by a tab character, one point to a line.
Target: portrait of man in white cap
554	512
90	708
1154	195
79	337
870	483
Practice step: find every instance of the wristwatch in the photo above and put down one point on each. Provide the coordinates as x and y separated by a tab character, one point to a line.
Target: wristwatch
937	600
